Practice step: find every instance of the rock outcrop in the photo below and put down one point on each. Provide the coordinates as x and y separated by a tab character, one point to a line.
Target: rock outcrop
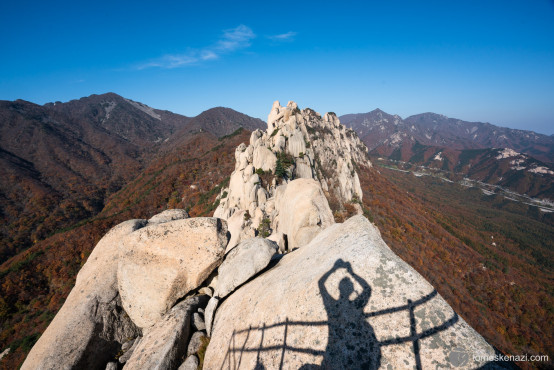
167	341
91	325
161	263
303	212
243	262
345	300
296	145
154	292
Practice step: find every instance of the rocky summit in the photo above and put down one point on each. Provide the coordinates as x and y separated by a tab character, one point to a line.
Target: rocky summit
272	281
283	177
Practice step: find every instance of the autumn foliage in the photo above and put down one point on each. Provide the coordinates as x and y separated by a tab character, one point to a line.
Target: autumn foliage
503	290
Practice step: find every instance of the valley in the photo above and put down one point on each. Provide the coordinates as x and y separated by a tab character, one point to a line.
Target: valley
486	249
544	205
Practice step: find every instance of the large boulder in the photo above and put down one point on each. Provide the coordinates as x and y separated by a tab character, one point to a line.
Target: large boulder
168	215
166	342
88	329
343	301
161	263
244	261
303	211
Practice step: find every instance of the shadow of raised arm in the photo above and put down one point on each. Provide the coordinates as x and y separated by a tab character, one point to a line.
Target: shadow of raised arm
327	298
361	301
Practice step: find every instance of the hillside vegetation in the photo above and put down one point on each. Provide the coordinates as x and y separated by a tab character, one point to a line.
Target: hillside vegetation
490	258
35	283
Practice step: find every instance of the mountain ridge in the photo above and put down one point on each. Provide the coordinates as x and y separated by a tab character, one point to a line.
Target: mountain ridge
61	161
378	128
460	147
456	256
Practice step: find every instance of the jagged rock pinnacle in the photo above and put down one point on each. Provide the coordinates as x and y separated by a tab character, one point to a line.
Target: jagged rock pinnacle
297	144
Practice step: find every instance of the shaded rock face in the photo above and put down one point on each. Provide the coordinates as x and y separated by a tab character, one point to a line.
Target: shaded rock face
128	348
243	262
163	262
345	300
167	341
88	329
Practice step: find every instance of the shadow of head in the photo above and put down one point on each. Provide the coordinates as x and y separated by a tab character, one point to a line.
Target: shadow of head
346	288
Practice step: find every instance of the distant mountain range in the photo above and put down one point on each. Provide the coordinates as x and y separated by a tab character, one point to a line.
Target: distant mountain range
519	160
71	171
384	133
60	161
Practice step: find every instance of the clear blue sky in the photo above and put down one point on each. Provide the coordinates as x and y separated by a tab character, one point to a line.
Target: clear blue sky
481	60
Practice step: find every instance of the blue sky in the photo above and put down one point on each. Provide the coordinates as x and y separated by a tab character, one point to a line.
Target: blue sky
490	61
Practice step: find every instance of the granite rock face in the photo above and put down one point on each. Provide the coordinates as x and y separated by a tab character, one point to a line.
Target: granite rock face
298	144
167	341
243	262
304	211
91	325
345	300
161	263
168	215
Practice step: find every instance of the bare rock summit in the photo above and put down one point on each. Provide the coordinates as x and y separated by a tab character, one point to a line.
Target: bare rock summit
297	144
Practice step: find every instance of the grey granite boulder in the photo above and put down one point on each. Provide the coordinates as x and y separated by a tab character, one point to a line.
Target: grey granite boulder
198	321
191	363
242	262
166	342
161	263
88	329
196	342
168	215
342	301
303	211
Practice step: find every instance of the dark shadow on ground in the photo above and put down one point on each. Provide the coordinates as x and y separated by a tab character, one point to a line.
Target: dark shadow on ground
351	343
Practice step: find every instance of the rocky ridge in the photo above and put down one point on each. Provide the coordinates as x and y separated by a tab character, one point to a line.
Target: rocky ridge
297	144
272	266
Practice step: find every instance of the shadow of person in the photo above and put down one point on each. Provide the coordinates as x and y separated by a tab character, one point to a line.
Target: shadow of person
352	343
